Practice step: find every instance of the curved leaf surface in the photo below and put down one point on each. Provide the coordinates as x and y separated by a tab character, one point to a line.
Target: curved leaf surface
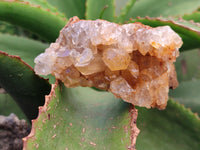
70	7
188	65
45	5
187	93
174	128
40	21
8	106
156	8
19	80
195	16
27	49
82	118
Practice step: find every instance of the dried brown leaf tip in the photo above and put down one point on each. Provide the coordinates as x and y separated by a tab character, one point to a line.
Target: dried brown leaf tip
133	61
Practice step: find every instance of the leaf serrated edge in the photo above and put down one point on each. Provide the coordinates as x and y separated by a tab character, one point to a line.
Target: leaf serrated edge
36	6
18	58
24	11
166	21
51	7
23	62
41	109
188	110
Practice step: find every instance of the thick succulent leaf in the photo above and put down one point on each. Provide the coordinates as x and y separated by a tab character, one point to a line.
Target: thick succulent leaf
38	20
187	65
188	94
45	5
70	7
26	48
124	11
19	80
8	106
156	8
103	9
81	118
8	28
175	128
188	73
195	16
188	31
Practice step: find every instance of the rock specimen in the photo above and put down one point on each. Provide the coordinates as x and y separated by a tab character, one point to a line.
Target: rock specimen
133	61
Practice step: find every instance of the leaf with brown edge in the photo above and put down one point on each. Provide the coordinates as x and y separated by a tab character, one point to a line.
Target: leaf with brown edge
82	118
165	8
193	17
189	32
36	19
20	81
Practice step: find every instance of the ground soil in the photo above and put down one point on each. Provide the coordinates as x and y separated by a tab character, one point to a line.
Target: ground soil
12	130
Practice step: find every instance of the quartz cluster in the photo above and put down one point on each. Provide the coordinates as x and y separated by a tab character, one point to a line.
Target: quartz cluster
133	61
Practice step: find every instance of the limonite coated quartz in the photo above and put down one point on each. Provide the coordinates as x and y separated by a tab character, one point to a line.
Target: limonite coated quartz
133	61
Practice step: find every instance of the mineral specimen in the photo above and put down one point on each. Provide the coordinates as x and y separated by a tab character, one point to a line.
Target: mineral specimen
133	61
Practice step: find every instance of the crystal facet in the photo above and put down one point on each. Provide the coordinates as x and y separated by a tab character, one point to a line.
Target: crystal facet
133	61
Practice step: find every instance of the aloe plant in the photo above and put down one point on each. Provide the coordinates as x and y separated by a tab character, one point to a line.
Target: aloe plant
84	118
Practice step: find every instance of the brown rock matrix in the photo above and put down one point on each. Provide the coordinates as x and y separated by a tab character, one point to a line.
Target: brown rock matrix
133	61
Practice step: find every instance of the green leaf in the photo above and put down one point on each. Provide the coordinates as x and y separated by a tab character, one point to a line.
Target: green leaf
19	80
81	118
70	7
187	93
27	49
40	21
175	128
45	5
156	8
188	73
104	8
187	65
124	11
8	106
195	16
189	32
